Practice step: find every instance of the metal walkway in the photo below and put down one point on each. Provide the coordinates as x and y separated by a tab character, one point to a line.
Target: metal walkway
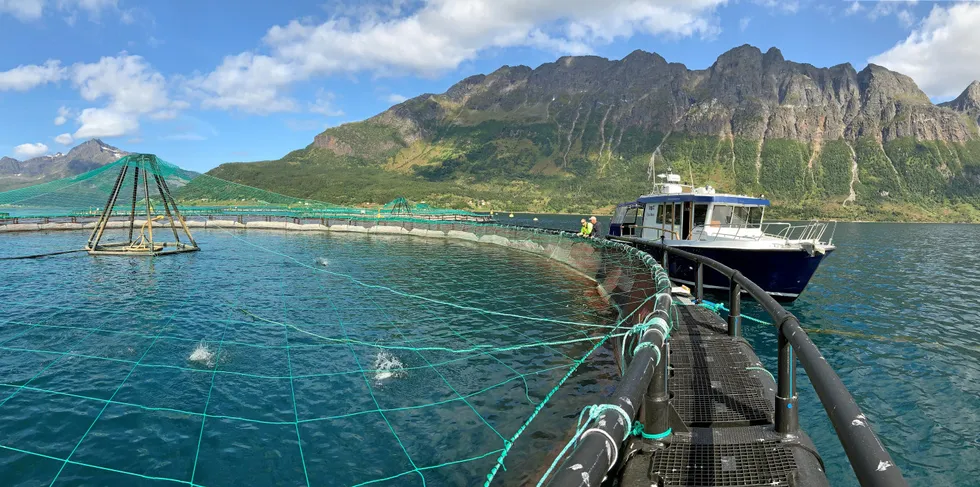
721	417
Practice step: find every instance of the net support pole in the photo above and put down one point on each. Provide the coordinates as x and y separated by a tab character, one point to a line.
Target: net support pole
787	418
656	402
149	210
132	210
96	236
734	309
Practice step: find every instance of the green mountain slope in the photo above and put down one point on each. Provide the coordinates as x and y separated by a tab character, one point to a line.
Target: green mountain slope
584	133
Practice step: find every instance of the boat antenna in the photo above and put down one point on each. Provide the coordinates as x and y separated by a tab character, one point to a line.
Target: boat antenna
690	166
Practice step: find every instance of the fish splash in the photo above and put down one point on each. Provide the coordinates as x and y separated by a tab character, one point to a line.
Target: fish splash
386	366
202	355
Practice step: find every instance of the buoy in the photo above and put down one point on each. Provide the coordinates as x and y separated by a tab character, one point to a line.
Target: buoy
511	215
534	219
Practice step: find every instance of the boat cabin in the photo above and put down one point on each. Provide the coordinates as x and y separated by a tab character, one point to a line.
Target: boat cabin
696	215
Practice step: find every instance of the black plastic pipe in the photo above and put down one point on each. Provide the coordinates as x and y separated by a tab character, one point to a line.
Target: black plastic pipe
596	453
872	464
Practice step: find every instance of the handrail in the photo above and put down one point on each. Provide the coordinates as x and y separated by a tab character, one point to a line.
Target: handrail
872	464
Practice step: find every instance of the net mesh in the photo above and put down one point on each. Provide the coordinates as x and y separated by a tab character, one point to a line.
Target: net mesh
336	361
86	194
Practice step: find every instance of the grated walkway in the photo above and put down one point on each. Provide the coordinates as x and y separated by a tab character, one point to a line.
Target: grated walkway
724	433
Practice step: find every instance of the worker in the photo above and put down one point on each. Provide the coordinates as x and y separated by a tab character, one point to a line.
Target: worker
594	231
586	229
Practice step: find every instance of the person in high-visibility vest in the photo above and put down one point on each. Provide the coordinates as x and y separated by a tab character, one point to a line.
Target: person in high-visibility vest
594	228
586	229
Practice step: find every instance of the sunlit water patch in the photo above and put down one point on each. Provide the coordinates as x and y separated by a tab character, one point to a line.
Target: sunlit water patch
285	359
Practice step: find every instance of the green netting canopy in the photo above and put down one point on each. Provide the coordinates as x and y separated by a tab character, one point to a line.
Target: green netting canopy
197	194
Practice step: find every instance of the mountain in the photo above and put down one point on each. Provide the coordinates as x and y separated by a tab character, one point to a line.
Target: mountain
968	102
585	132
82	158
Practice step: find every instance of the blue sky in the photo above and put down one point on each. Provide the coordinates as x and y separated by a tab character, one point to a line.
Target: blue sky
201	83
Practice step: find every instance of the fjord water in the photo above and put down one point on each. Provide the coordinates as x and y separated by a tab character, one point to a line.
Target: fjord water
894	310
256	361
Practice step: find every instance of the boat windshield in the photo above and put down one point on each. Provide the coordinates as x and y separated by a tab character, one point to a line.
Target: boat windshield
737	215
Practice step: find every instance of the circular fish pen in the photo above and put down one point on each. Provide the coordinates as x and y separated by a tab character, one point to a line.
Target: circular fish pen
310	358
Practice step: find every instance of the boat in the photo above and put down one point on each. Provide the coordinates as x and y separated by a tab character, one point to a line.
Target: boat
779	257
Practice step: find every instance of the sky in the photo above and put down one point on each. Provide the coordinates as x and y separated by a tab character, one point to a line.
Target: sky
204	82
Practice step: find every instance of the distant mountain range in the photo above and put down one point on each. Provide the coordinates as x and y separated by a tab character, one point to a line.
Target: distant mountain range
582	133
82	158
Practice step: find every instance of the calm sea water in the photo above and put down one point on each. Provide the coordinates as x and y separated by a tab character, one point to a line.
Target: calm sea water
242	365
894	311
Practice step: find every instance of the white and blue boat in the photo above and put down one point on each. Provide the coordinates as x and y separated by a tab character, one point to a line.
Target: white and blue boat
779	257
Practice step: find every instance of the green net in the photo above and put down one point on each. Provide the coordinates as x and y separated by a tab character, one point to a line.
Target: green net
313	359
317	360
196	194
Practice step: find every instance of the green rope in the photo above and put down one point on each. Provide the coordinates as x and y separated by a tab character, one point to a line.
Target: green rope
594	411
638	431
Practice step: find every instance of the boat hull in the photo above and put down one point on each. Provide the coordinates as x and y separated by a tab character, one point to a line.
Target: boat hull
783	273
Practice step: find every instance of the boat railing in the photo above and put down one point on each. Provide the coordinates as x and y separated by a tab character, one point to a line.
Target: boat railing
806	232
812	231
872	464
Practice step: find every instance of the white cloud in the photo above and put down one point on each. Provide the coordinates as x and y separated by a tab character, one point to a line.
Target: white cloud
396	98
940	54
324	104
131	88
24	10
64	139
25	77
105	122
889	7
28	10
62	118
743	23
788	6
436	37
854	8
27	151
906	18
248	82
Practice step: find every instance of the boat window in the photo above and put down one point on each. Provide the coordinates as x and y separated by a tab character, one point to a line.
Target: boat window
633	215
740	215
700	212
618	215
721	215
755	215
665	214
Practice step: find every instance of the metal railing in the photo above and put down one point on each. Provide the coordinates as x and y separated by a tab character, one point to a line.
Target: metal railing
871	463
811	231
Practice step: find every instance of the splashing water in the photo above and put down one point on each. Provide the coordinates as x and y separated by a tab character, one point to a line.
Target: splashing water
323	261
202	355
387	366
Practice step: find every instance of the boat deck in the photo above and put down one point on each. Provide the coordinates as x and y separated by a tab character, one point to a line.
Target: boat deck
723	431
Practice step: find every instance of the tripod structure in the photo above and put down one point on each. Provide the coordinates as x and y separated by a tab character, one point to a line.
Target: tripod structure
150	193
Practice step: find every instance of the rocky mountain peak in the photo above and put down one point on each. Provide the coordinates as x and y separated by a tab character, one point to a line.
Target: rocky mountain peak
84	157
640	56
968	101
878	81
95	148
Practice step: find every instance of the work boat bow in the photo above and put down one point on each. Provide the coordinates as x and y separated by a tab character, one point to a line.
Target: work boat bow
779	257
